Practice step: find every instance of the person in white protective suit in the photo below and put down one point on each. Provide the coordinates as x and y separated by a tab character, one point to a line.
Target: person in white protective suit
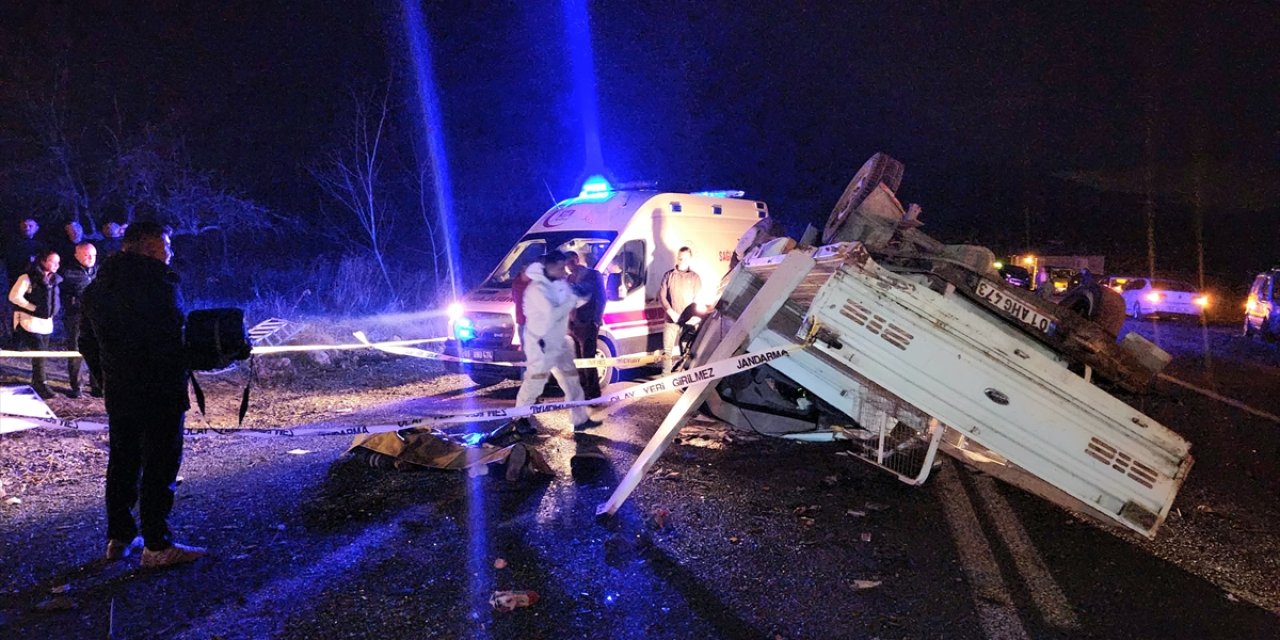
548	301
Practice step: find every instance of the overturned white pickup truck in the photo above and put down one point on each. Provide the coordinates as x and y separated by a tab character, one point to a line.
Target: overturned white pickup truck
914	347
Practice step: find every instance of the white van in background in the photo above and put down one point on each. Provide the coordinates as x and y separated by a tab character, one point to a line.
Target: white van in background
637	233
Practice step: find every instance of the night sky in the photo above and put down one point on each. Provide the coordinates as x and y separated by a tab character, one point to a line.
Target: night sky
993	107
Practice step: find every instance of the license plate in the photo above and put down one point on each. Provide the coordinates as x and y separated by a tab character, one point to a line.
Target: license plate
484	355
1012	307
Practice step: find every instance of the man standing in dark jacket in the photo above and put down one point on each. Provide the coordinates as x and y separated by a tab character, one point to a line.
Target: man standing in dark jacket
585	321
131	337
76	276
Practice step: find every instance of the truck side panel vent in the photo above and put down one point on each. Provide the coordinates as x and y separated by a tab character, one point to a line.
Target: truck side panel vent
892	333
1122	462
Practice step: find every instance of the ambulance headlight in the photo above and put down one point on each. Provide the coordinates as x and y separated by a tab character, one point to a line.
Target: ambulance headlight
454	311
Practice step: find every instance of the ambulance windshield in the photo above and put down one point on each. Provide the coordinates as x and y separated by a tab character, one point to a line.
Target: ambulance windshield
535	245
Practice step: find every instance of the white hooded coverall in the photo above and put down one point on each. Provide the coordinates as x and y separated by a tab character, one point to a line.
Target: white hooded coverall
547	347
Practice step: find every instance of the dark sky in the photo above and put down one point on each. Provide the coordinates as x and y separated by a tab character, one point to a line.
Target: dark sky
985	103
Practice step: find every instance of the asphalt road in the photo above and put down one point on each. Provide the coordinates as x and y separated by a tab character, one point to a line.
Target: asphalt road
727	538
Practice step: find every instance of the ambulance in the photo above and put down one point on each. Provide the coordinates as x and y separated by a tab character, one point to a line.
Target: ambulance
632	237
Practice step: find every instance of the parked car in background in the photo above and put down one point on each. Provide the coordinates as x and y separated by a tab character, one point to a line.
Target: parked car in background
1063	278
1016	276
1158	296
1261	313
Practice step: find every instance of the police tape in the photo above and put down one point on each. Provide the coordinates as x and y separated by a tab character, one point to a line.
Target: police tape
40	416
400	347
629	361
257	351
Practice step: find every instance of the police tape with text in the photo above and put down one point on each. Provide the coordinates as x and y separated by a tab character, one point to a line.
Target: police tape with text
674	381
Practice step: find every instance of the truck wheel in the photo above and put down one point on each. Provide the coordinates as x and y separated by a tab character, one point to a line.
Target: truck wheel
879	169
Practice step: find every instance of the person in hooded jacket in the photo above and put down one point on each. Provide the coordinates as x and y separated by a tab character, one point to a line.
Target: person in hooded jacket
131	337
35	300
548	301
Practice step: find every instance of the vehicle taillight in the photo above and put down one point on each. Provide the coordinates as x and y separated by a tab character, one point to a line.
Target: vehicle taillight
1202	301
1155	296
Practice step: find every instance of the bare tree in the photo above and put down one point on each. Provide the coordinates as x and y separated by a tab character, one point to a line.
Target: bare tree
62	180
351	175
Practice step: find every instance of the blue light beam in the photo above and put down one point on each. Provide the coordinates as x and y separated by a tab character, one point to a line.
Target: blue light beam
582	65
432	130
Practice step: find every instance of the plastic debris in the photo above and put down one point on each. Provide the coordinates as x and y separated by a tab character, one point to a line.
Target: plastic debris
13	500
505	601
499	563
298	452
659	518
866	536
855	513
866	584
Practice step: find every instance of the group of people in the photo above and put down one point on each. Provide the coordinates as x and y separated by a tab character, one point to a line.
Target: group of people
559	309
127	322
46	282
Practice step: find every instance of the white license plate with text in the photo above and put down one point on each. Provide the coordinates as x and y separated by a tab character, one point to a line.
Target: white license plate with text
1012	307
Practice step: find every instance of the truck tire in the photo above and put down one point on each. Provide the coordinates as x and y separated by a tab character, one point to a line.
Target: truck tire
879	169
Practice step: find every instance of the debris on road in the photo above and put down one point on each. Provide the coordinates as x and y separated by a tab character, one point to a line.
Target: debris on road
866	584
413	449
499	563
504	601
57	603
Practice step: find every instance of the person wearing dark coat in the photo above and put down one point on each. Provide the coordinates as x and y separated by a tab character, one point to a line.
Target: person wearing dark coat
66	242
35	301
76	276
111	240
585	321
20	253
131	336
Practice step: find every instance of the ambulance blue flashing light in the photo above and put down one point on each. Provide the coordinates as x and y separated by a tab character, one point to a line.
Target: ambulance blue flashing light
725	193
595	187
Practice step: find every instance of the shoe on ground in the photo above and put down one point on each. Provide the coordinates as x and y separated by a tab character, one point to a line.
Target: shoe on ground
119	549
525	428
587	424
74	393
95	392
43	391
174	555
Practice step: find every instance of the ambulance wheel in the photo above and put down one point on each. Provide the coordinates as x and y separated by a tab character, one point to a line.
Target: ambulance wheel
608	374
484	379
